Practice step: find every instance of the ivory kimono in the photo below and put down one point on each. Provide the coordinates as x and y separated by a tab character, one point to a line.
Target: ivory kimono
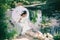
25	24
16	15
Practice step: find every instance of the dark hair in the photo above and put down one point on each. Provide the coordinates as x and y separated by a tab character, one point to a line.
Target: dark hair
24	12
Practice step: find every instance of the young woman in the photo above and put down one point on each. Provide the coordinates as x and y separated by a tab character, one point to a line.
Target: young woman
28	29
20	16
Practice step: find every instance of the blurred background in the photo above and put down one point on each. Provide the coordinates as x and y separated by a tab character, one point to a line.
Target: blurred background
44	13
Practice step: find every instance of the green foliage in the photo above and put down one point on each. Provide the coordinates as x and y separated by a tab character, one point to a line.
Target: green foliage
45	24
2	1
45	30
57	37
33	15
3	24
53	4
42	0
3	21
43	19
10	33
49	8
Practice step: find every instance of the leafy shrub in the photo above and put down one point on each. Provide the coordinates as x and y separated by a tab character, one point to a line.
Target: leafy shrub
57	37
11	33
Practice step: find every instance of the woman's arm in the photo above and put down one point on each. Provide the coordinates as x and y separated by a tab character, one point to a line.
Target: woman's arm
32	26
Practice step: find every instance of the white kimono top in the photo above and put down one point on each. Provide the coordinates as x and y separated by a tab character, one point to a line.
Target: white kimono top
24	22
17	13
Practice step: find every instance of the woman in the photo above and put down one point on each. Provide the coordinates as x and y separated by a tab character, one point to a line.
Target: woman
20	16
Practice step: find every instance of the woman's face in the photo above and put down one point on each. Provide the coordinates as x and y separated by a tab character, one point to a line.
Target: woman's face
23	17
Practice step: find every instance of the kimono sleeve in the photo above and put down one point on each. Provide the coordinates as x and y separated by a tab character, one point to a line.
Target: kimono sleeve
15	16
